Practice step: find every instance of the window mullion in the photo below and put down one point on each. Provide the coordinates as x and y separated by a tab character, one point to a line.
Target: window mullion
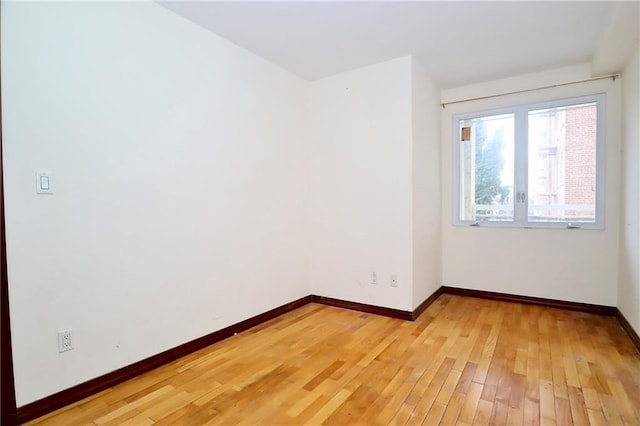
521	167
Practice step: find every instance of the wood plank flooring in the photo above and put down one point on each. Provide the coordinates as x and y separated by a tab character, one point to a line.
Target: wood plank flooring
465	361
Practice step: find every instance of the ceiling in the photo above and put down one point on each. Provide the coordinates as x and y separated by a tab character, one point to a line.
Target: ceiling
459	42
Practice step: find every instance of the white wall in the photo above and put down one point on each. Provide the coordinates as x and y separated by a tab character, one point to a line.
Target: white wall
629	287
427	262
176	159
619	38
574	265
361	184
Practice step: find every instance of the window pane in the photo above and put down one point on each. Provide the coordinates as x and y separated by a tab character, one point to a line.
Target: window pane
487	168
562	164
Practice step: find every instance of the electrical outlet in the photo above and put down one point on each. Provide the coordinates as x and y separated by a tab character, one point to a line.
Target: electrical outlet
65	340
394	280
374	278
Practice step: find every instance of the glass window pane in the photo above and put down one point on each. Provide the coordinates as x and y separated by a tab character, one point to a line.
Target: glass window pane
562	164
487	168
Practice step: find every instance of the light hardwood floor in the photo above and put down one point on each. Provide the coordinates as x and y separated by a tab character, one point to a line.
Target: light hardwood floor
464	361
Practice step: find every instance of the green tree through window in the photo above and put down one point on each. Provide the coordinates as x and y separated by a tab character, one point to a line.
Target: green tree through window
489	166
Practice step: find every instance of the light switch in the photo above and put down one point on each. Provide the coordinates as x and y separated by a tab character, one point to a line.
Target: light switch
43	183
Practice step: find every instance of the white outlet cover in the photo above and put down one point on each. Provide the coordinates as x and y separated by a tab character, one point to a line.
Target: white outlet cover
394	281
65	340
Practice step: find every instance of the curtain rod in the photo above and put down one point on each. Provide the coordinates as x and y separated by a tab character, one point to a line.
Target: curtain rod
604	77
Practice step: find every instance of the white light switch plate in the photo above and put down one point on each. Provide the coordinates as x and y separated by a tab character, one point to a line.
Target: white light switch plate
43	183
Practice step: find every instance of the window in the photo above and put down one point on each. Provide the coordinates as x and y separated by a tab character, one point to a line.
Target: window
531	166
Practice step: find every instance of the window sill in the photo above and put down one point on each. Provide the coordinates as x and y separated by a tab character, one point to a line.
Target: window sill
510	225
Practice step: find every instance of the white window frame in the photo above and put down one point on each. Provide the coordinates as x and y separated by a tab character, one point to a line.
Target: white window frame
521	164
